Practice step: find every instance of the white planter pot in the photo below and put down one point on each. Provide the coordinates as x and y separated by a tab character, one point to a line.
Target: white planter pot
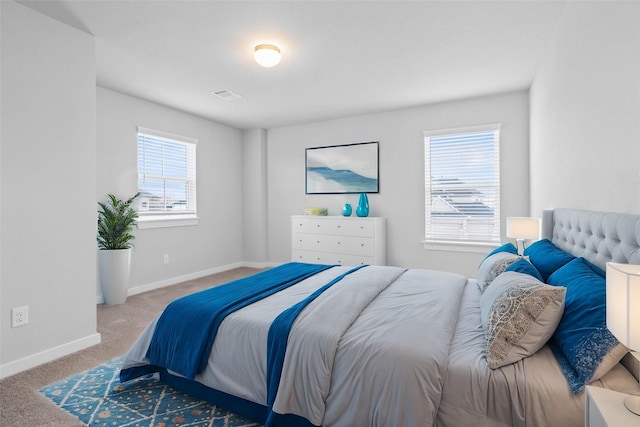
115	269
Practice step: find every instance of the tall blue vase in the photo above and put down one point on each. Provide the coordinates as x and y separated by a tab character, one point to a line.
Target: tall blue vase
363	205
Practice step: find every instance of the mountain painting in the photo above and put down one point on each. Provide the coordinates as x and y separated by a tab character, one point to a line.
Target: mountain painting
341	169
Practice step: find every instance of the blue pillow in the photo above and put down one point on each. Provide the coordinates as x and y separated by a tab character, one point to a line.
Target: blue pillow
581	341
546	257
600	272
524	266
507	247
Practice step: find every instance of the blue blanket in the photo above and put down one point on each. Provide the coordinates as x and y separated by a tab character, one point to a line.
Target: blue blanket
187	328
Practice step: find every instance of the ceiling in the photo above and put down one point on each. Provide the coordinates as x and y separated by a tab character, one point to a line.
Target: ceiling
340	58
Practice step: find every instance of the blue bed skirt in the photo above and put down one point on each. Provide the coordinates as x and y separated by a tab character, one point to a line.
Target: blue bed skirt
237	405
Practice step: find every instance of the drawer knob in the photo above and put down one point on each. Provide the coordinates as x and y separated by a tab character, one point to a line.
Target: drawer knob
338	242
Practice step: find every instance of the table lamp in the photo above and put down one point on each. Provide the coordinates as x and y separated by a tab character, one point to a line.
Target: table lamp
623	312
523	228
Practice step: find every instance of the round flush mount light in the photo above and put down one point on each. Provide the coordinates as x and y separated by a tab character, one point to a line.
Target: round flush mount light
267	55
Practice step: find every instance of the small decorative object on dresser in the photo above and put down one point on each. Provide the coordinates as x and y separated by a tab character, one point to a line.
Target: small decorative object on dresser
339	240
316	211
363	205
346	210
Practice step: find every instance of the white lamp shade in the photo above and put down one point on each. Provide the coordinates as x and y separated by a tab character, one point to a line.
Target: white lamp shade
267	55
523	228
623	303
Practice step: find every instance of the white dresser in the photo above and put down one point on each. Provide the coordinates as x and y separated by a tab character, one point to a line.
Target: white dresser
339	240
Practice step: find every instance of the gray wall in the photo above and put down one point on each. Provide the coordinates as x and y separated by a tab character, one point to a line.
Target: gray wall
401	197
585	112
254	195
48	213
194	251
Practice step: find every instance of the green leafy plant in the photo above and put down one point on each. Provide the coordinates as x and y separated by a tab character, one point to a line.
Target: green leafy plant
115	222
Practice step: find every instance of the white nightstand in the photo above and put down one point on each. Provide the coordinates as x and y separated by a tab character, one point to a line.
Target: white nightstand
605	408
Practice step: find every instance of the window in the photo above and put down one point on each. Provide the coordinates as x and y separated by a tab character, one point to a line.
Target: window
166	179
462	186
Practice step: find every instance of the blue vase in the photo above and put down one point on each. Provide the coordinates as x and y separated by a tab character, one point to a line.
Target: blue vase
346	210
363	205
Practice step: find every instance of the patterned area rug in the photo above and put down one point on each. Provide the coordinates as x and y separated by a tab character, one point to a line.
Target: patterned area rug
97	398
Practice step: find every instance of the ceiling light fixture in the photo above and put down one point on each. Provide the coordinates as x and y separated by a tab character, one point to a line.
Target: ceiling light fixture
267	55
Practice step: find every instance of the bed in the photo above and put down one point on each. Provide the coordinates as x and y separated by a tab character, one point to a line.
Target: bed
383	346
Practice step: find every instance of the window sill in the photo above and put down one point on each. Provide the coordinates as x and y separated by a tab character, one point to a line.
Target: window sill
478	248
166	221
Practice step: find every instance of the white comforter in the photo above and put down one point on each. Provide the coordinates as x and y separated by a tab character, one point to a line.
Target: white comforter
387	366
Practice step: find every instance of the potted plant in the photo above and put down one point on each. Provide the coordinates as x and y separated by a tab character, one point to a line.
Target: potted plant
115	223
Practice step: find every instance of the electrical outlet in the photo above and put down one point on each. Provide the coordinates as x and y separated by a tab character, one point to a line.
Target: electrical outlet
19	316
165	259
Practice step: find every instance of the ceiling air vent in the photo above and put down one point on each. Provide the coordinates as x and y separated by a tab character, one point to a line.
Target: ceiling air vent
226	94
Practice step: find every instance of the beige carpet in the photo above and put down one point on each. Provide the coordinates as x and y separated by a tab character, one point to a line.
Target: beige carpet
21	405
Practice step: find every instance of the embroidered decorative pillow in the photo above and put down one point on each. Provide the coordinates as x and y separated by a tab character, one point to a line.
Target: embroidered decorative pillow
546	257
582	344
519	314
493	266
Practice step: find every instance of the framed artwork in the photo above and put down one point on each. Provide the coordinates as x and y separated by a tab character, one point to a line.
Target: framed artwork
342	169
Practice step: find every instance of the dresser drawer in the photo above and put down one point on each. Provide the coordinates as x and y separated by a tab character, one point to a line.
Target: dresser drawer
362	246
329	258
344	227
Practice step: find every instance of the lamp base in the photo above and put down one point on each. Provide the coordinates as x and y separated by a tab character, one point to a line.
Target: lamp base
632	403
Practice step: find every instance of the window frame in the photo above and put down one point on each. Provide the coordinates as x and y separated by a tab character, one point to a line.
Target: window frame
431	242
148	220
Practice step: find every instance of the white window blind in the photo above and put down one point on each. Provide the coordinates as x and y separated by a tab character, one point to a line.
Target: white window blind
462	185
166	174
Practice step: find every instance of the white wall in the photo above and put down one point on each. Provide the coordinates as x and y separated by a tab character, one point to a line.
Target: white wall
48	216
401	197
254	192
585	112
216	242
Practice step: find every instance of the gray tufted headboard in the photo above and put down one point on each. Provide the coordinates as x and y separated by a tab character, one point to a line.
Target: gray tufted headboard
596	236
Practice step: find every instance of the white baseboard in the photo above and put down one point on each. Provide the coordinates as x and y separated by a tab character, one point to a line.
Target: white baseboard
54	353
179	279
191	276
260	264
